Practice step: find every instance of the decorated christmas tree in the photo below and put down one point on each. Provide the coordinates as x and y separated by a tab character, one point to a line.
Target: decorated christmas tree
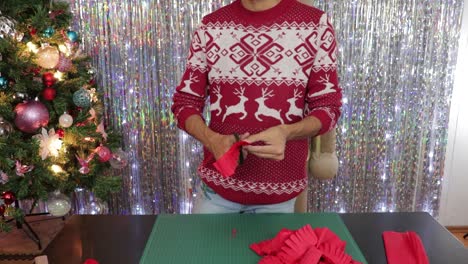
53	137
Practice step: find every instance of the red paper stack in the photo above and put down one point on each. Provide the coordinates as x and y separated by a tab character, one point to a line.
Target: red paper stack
404	247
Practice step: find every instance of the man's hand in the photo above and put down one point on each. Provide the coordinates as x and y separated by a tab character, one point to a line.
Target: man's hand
275	138
275	143
244	151
219	144
216	143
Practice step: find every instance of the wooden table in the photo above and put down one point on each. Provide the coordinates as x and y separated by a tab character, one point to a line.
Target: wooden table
121	239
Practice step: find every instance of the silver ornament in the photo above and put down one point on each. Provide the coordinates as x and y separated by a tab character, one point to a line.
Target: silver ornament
7	27
21	96
5	127
97	206
58	204
92	71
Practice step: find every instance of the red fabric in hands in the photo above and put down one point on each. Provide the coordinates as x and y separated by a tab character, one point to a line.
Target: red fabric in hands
404	247
227	164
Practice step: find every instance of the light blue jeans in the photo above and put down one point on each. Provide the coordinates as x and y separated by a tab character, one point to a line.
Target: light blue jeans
209	202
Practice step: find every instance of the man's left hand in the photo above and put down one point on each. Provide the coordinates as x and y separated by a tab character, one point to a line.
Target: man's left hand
275	143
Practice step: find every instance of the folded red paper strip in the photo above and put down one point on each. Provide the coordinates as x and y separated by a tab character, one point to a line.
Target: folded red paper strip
227	164
303	246
404	247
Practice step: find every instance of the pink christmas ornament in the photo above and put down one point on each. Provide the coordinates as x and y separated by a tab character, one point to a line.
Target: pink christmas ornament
30	116
104	153
84	163
64	64
22	169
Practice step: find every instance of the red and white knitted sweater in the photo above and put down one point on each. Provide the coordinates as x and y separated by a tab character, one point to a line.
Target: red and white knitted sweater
261	69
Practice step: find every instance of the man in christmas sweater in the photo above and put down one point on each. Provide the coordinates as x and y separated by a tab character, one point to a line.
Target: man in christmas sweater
269	69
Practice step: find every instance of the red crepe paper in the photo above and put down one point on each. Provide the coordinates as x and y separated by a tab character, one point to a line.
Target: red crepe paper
313	255
270	260
271	246
404	247
298	244
303	246
326	236
227	164
90	261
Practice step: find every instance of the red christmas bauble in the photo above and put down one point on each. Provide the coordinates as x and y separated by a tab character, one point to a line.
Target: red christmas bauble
48	79
36	70
2	209
104	153
49	93
8	197
60	132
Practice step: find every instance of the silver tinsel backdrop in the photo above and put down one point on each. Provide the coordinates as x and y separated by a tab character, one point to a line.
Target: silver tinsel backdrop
397	60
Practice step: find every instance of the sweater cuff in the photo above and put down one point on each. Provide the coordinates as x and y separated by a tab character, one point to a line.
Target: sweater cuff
184	114
325	120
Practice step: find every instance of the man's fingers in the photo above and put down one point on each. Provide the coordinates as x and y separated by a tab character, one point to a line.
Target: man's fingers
244	136
264	150
269	156
254	138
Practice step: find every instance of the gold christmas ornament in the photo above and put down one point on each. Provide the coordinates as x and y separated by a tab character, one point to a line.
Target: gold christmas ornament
48	57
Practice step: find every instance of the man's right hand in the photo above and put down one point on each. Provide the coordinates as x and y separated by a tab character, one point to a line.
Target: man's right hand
219	144
216	143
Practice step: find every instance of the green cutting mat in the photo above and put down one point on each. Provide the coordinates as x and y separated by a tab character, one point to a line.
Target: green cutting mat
205	238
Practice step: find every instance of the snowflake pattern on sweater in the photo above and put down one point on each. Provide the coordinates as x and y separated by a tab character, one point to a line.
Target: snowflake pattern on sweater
261	69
